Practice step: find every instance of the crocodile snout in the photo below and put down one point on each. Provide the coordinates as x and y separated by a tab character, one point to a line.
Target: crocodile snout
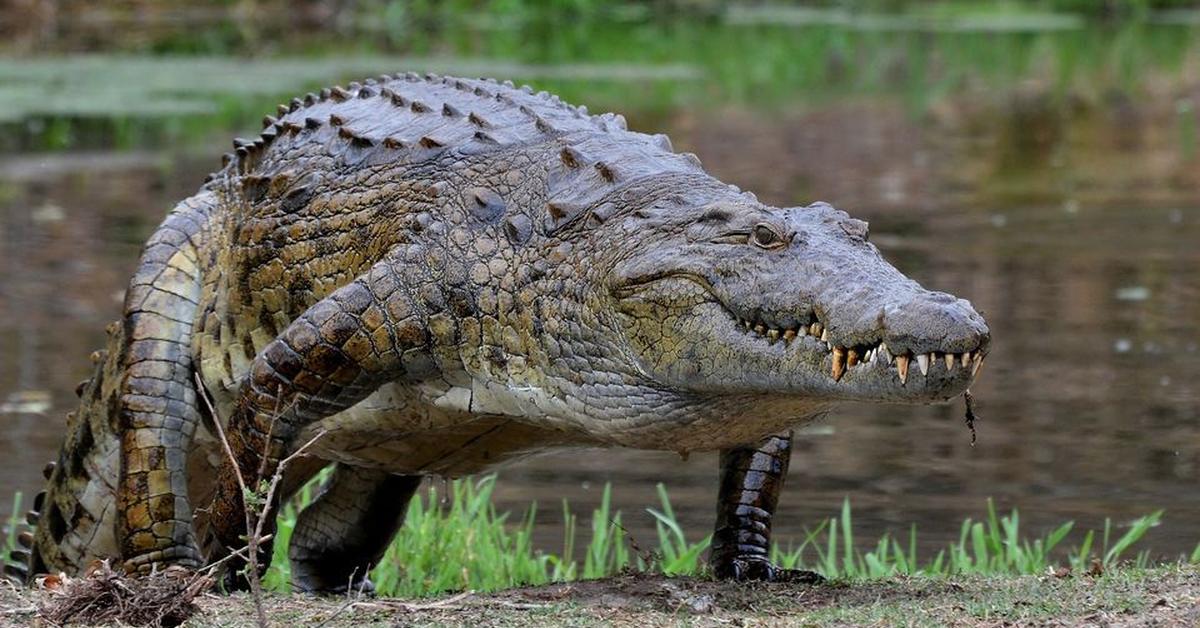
934	322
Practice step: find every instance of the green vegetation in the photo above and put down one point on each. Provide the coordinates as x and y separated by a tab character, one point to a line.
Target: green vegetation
462	543
12	526
641	59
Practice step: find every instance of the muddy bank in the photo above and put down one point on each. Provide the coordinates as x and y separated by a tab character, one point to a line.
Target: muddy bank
1127	597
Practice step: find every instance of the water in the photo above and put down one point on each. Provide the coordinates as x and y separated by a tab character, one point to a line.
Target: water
1075	235
1041	163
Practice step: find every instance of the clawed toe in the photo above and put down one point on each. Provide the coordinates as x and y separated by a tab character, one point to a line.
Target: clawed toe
760	570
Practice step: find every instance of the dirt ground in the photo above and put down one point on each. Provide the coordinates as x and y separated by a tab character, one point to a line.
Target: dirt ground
1165	596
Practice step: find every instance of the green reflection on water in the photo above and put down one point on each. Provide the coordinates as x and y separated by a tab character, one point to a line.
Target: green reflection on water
629	58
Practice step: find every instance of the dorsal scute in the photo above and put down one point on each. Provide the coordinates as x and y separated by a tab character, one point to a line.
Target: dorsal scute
592	167
394	118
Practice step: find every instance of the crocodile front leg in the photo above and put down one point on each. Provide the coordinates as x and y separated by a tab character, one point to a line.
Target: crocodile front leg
366	333
751	479
346	529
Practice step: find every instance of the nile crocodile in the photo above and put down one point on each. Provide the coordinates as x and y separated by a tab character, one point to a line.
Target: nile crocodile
439	275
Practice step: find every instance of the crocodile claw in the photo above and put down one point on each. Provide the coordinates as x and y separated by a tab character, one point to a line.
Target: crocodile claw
761	570
313	584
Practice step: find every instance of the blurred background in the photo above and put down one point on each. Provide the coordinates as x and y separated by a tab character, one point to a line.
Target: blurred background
1037	157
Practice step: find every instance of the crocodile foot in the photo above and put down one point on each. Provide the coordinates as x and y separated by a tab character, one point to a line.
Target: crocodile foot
179	556
761	570
232	574
318	583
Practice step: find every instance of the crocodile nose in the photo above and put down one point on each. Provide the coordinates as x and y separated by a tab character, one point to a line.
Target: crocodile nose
936	321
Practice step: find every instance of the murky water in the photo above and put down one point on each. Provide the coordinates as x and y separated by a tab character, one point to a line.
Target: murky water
1076	237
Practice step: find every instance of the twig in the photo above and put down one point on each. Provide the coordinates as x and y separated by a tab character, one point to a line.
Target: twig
233	553
970	418
520	606
649	556
350	597
446	604
221	433
251	542
255	521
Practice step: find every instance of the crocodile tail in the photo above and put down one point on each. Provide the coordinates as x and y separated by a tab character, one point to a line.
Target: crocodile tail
101	498
73	521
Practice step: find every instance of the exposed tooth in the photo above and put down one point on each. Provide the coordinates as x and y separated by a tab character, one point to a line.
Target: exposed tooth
978	363
949	358
746	323
902	368
773	334
839	363
825	335
803	331
870	357
815	329
923	363
788	335
760	329
966	358
851	357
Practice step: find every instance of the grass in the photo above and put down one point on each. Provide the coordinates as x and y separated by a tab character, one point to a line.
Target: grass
460	542
12	526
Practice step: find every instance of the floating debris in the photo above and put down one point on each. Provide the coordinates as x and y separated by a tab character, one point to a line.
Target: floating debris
1133	293
970	415
26	402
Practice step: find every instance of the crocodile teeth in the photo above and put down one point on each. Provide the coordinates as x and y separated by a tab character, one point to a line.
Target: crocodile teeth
773	334
977	365
949	358
839	363
788	335
824	335
852	357
814	329
923	363
902	368
760	329
966	359
802	332
869	357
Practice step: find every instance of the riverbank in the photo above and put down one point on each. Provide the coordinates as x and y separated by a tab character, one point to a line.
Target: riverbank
1128	596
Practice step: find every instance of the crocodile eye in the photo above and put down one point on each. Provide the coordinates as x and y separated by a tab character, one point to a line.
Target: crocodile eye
765	236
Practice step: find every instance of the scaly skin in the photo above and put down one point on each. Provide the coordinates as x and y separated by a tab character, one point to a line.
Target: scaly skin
435	276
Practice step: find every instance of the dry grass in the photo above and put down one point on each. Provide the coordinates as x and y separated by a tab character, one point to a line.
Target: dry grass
106	596
1163	596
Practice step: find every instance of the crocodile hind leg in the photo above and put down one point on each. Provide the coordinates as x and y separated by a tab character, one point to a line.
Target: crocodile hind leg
751	480
346	530
158	402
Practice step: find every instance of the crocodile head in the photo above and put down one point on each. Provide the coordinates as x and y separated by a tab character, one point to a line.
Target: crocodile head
736	298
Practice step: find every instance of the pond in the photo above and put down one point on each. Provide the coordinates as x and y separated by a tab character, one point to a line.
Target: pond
1070	216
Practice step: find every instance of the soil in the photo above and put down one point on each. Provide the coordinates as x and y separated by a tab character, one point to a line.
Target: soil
1164	596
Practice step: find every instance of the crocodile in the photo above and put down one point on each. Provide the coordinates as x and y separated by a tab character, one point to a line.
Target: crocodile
426	275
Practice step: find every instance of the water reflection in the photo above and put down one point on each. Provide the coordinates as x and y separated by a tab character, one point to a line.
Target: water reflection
1076	236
